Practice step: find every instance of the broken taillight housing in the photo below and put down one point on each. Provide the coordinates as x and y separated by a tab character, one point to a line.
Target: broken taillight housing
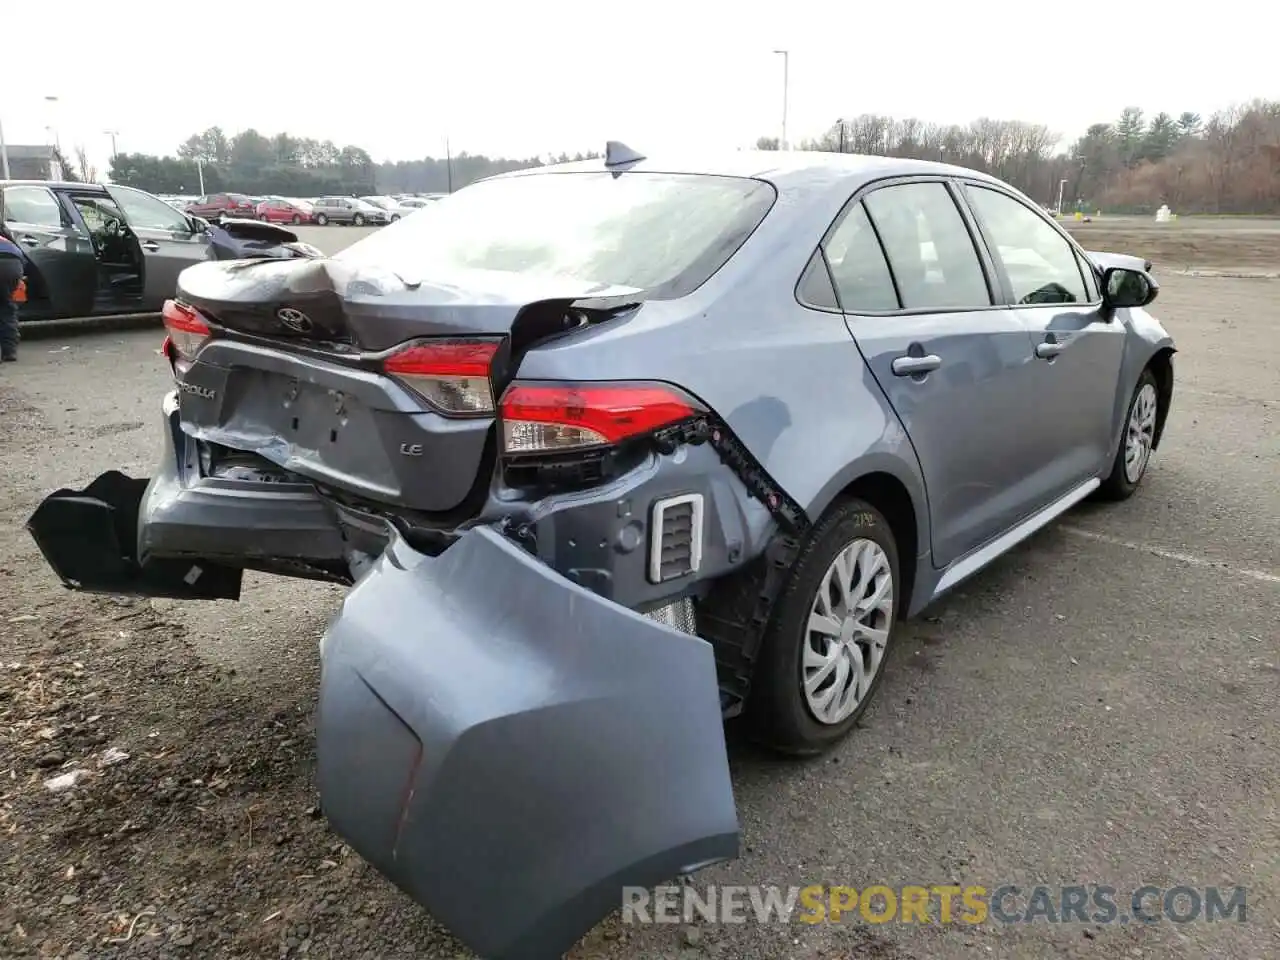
545	418
451	375
185	330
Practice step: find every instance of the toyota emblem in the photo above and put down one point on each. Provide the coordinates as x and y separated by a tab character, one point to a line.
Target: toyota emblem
295	320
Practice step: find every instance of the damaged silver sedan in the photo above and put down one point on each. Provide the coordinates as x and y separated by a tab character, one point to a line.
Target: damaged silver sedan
610	452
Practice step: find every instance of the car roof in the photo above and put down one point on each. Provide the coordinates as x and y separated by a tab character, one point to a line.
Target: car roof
783	168
57	185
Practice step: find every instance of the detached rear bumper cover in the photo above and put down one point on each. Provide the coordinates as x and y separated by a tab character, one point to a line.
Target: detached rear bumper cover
511	749
180	534
90	539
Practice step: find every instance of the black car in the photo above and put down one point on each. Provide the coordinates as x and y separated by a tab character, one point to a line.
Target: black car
94	249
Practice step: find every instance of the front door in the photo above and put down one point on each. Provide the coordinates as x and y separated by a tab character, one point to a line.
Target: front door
61	266
169	242
1078	346
956	366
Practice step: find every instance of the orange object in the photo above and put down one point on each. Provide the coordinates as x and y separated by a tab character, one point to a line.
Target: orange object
20	291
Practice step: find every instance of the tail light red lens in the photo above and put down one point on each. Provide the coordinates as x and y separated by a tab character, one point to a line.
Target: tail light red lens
561	418
451	375
185	329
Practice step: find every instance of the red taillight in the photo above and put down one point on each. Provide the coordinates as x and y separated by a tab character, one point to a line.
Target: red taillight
185	330
451	375
552	418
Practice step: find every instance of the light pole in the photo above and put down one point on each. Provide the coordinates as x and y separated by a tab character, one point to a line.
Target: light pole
113	134
448	163
4	155
53	126
1062	186
786	71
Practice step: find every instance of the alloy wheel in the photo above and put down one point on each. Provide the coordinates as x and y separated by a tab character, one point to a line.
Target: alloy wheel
848	631
1140	433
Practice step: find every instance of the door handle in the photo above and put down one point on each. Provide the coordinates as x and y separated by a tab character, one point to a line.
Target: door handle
914	366
1048	350
31	241
150	245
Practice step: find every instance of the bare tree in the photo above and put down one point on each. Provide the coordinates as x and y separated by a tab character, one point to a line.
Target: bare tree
88	172
1229	163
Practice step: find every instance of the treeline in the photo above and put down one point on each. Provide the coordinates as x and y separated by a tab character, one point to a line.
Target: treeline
1229	163
284	165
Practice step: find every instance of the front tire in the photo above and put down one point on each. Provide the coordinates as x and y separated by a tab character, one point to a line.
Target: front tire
296	219
823	655
1136	442
358	220
322	220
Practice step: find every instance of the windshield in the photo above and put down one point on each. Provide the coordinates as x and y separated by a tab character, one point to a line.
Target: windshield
663	233
386	203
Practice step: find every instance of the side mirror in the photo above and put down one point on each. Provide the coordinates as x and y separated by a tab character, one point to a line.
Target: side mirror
1122	287
198	225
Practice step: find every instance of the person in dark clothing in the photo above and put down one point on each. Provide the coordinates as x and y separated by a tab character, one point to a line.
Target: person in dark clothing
11	271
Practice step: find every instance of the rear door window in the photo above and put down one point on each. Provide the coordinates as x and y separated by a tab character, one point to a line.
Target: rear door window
934	261
858	268
33	205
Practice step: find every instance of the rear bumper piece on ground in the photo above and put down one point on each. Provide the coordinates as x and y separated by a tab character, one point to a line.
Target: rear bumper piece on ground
182	534
511	749
90	539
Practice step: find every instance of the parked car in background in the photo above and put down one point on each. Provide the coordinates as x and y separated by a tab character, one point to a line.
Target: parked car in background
285	210
222	205
611	451
395	209
94	249
348	210
416	203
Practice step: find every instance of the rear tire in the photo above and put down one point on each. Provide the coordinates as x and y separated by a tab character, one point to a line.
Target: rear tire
1133	455
395	217
826	637
322	220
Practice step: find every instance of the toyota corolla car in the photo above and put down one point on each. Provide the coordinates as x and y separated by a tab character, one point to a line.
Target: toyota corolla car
612	451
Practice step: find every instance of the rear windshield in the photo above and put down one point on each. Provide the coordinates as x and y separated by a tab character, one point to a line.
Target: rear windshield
662	233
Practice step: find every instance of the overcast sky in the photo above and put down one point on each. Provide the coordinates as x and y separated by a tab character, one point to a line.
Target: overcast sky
522	78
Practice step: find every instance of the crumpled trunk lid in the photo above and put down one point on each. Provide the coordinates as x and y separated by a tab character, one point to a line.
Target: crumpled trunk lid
367	308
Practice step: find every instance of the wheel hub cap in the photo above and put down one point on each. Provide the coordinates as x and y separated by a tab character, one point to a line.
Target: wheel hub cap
1140	433
847	632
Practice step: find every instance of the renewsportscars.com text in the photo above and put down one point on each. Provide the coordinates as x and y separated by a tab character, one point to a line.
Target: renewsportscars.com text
936	903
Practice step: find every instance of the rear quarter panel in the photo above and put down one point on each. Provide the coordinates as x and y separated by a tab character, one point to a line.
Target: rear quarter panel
788	380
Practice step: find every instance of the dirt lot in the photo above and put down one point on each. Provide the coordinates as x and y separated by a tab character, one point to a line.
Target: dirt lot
1247	245
1098	707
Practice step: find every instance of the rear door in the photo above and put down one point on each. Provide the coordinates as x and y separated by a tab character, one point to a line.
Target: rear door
62	267
1078	346
920	300
169	242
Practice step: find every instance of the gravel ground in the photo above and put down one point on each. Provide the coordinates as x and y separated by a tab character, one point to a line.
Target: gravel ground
1098	706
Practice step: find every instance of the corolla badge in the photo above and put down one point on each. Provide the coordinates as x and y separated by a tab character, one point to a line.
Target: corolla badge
295	320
